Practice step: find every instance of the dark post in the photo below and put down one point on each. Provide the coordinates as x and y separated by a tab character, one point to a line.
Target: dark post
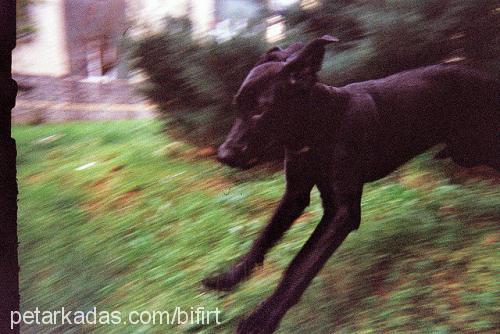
9	268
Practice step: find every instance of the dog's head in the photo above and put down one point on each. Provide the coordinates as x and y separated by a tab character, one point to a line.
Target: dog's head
272	101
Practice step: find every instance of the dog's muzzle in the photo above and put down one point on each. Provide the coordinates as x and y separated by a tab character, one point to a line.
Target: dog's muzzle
236	156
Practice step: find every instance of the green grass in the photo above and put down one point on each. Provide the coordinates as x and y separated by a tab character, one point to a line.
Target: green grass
149	218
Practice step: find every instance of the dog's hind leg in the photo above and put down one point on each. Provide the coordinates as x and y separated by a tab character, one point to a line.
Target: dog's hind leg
472	148
475	139
473	135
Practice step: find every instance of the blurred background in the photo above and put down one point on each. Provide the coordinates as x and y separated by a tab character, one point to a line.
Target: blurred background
121	106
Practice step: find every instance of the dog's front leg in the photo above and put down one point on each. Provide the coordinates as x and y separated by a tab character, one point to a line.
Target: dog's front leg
293	203
328	235
299	171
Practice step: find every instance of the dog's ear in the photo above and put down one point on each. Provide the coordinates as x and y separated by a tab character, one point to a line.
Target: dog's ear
273	49
278	54
273	54
293	48
308	60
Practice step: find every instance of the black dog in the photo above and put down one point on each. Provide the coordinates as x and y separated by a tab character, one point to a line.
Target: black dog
339	138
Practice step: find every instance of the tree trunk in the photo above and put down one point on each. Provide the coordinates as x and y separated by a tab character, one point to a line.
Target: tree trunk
9	268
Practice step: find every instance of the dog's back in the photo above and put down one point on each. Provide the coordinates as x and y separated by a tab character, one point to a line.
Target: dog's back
441	103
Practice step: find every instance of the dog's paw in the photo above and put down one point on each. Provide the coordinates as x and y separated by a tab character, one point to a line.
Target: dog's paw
259	322
221	282
228	280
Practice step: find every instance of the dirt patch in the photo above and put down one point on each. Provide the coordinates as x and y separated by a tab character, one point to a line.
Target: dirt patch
490	239
127	199
265	271
98	191
378	278
303	217
100	185
215	184
206	152
423	181
34	178
117	168
466	176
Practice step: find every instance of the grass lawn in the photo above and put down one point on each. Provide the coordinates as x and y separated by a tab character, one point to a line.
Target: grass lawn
118	216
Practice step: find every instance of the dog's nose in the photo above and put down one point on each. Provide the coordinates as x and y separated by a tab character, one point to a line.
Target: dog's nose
226	156
233	156
222	156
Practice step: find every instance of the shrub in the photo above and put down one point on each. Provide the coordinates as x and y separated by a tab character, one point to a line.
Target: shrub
384	37
193	82
24	25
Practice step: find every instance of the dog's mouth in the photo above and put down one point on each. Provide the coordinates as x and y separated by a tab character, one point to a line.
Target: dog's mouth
237	162
243	160
250	163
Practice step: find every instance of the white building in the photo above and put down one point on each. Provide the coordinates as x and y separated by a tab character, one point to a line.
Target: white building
81	37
